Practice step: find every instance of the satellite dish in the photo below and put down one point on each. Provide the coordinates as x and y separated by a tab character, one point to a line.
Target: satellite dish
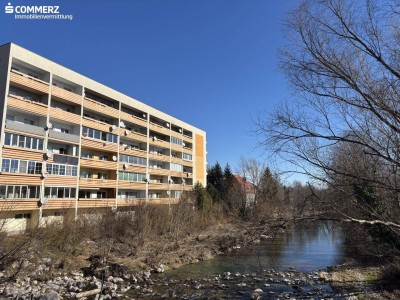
114	209
44	174
122	124
168	192
154	138
180	130
49	125
114	158
167	124
183	181
144	115
49	153
43	200
113	128
127	132
183	144
126	166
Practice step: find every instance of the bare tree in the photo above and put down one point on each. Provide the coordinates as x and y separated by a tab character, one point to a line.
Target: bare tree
343	126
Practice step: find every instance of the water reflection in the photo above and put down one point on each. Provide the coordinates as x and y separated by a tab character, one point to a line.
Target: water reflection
306	247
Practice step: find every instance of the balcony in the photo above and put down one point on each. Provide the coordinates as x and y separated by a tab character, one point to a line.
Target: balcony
97	183
158	186
73	138
134	135
187	163
159	157
158	128
133	119
18	204
176	187
177	173
16	178
12	125
132	168
59	114
176	160
25	81
134	185
100	107
158	171
22	104
98	164
96	203
66	95
130	202
163	200
187	150
176	147
160	143
52	180
99	145
60	203
135	152
28	154
176	134
99	125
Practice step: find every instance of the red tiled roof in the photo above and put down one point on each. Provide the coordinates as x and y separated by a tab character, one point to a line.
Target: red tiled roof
249	186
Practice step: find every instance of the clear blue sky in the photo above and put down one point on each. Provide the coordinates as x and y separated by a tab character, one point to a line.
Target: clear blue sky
211	63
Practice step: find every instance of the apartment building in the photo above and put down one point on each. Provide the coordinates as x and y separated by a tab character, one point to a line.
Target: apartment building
72	145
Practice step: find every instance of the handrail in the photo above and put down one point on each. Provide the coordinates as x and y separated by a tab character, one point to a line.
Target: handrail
28	76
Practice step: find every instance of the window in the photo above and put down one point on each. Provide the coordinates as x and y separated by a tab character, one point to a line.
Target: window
10	117
22	141
14	165
23	166
19	191
5	167
132	160
176	141
29	122
99	135
65	130
60	192
176	167
61	170
187	156
87	155
138	177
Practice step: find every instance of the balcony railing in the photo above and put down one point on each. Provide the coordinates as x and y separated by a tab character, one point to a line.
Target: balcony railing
98	164
59	114
24	80
26	105
100	107
13	125
66	95
73	138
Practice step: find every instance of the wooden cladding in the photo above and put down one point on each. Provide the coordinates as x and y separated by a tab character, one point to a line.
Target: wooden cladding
97	183
132	168
135	152
158	186
125	184
99	125
27	106
60	203
98	164
27	154
159	128
20	179
99	145
134	136
154	171
94	203
133	119
26	81
52	180
18	204
100	107
159	157
59	114
66	95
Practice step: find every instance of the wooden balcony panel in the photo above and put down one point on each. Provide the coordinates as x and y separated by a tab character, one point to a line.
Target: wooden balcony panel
96	203
133	185
133	119
158	186
132	168
66	95
187	163
134	136
100	107
176	160
59	114
27	106
164	201
98	164
134	152
59	203
11	152
52	180
188	188
176	147
154	171
159	157
176	134
187	150
130	202
99	125
22	179
99	145
159	128
97	183
176	187
177	173
24	80
187	137
18	204
160	143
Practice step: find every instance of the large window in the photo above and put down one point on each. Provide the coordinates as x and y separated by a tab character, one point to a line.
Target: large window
60	192
132	159
21	166
100	135
127	194
176	167
175	140
19	191
22	141
131	176
61	170
187	156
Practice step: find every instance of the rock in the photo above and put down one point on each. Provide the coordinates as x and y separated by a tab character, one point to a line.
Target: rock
52	295
87	293
117	280
256	294
242	284
1	274
160	269
146	274
264	237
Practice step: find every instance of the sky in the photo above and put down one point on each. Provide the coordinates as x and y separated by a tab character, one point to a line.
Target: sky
210	63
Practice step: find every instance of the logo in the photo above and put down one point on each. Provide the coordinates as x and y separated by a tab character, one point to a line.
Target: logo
9	9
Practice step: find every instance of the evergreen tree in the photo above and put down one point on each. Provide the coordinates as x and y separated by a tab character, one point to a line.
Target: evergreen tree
227	184
215	178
